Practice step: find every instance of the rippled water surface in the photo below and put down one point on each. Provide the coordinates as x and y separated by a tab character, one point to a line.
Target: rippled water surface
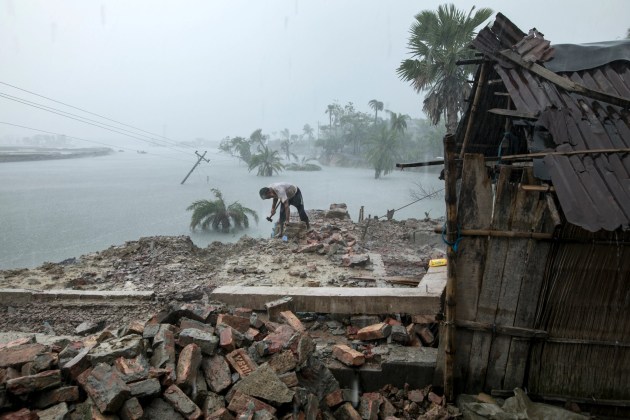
58	209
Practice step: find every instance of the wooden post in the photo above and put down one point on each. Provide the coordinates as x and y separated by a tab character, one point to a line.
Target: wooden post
450	196
201	157
473	109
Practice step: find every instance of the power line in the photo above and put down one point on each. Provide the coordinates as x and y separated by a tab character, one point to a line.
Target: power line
83	120
88	112
95	123
89	141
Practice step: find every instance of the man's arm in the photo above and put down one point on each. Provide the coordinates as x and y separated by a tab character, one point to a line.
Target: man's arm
273	206
287	211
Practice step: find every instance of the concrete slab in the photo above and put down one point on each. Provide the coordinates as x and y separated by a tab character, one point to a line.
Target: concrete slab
434	281
403	365
16	297
337	300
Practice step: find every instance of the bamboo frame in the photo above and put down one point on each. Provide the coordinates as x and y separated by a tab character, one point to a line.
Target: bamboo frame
504	393
473	108
450	196
500	233
503	329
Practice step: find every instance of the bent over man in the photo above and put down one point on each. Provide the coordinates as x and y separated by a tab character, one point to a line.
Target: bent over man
288	195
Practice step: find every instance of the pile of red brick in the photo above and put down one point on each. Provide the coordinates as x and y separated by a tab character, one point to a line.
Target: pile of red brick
194	361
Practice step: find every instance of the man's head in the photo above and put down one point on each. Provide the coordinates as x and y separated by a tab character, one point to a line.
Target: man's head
265	193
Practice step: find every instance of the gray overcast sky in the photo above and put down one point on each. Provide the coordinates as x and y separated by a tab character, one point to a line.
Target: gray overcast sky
217	68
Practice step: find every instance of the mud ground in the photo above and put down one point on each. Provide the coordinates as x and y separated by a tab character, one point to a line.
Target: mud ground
178	271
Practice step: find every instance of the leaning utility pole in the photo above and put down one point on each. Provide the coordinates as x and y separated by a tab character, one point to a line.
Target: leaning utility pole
201	157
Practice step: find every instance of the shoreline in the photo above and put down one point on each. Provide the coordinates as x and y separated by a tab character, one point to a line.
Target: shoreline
29	154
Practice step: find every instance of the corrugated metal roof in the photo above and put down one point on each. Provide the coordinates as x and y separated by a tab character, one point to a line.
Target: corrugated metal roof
593	188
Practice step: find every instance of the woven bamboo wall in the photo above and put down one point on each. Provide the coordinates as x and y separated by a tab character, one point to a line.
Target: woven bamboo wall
585	302
547	315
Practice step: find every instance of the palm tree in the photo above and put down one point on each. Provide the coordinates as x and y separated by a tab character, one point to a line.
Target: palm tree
308	132
267	161
382	150
214	213
398	122
438	40
376	106
285	146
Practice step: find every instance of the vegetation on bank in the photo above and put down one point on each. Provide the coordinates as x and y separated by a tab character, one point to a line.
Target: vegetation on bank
380	138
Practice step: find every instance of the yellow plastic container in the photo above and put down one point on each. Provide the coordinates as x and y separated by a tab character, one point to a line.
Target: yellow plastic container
438	262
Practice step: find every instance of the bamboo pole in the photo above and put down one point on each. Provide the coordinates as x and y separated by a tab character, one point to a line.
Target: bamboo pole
450	196
500	233
524	156
505	393
473	108
503	329
538	188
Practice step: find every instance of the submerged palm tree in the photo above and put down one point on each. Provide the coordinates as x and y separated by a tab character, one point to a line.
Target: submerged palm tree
382	150
267	161
215	214
438	40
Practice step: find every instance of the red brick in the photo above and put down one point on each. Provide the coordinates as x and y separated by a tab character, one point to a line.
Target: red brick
243	312
220	414
32	383
188	366
387	409
240	402
217	373
241	362
374	332
132	369
254	335
348	356
414	340
77	365
180	401
277	340
334	398
57	395
369	405
17	355
131	410
426	336
290	319
18	342
239	323
23	414
105	386
226	339
392	321
347	412
135	327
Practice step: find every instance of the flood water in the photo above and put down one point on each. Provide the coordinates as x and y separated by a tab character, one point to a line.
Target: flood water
58	209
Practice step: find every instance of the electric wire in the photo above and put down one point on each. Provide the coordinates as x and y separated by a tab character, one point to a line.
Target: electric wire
98	123
89	141
83	120
91	113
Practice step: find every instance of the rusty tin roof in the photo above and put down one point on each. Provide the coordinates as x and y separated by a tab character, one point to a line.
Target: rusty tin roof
585	111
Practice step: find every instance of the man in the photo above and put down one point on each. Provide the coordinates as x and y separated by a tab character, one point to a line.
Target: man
288	195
